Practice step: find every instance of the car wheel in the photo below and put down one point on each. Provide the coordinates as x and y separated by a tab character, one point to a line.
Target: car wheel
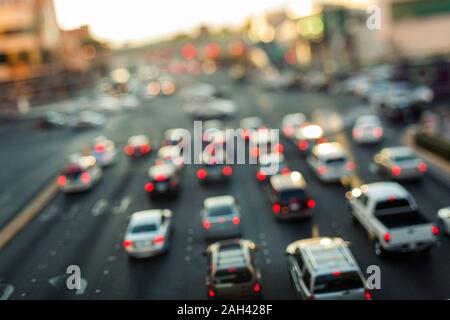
379	251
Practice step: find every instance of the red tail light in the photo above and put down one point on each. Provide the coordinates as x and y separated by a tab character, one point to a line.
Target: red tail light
303	145
260	176
322	170
201	174
145	148
387	237
435	230
149	187
256	287
422	167
276	208
62	180
368	295
396	170
357	133
377	132
129	150
85	177
211	293
158	240
279	148
160	178
336	273
351	166
227	171
311	203
322	140
127	244
99	148
285	171
236	220
206	224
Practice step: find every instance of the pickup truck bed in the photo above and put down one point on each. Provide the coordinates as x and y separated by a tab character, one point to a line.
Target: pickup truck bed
401	219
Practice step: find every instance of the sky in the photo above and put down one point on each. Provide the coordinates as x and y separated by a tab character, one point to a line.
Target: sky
122	21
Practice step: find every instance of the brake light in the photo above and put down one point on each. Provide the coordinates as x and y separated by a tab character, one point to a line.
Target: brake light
377	132
351	165
62	180
260	176
201	174
160	178
396	170
85	177
435	230
129	150
279	148
99	148
145	148
149	187
206	224
322	170
211	293
422	167
127	243
336	273
227	171
387	237
158	240
236	220
285	171
357	133
276	208
256	287
303	145
368	295
311	203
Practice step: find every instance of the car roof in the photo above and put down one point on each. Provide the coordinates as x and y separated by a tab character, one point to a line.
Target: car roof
309	131
169	132
219	201
326	255
367	119
382	190
168	151
297	117
138	139
329	150
147	216
397	151
251	121
166	169
288	181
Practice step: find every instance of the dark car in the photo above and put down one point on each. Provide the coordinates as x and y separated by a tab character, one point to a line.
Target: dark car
163	180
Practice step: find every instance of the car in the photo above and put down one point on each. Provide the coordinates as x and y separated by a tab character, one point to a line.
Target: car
289	197
138	146
213	168
88	119
170	155
292	122
324	268
330	162
232	270
104	150
391	218
399	163
444	220
249	125
53	119
307	136
221	218
163	180
265	141
270	165
81	174
367	129
173	137
148	233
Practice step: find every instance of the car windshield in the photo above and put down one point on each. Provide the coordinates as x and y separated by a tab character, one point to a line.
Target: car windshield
221	210
292	194
142	228
233	275
337	282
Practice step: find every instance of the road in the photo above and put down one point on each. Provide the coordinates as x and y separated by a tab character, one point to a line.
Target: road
87	229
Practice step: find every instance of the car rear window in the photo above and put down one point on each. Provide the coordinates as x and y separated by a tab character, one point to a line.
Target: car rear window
336	161
233	275
144	228
404	158
287	195
337	282
220	211
392	203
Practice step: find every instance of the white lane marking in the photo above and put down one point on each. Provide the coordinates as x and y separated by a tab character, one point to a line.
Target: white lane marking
7	291
72	212
124	204
49	214
99	207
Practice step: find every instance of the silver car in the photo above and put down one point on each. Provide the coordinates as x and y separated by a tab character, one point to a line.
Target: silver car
399	163
148	233
221	218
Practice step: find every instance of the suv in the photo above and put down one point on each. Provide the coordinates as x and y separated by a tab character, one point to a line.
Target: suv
232	272
325	269
288	196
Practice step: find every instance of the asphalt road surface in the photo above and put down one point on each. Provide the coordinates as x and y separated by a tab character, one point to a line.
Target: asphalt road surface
87	229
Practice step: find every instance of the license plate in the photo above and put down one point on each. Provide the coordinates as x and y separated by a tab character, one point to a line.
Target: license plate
142	244
161	187
294	206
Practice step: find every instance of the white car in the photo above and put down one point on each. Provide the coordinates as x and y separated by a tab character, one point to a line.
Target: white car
81	174
367	129
148	233
307	136
292	122
104	150
138	146
444	219
170	155
221	218
399	163
330	162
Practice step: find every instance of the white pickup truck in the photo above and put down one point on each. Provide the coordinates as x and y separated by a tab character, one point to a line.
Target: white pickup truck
391	218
